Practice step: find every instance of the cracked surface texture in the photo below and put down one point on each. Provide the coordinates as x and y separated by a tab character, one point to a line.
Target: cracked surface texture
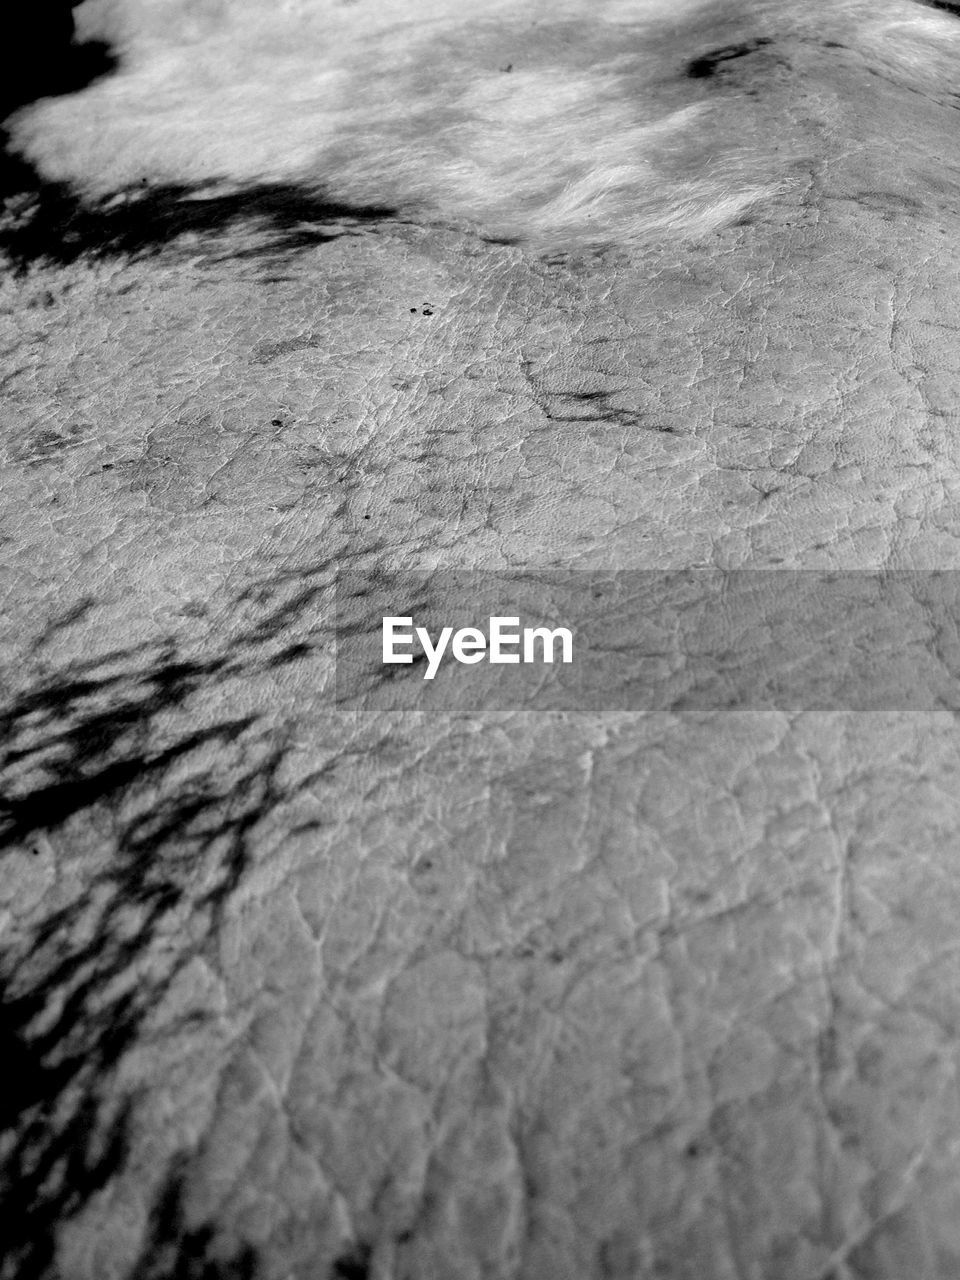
302	993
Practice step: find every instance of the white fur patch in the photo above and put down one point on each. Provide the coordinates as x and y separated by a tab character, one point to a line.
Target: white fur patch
557	124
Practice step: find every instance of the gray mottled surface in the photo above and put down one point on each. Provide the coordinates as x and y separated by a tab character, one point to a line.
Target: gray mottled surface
320	994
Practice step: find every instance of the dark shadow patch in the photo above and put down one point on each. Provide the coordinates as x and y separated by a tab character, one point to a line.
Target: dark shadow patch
39	58
114	766
48	222
75	994
353	1265
707	64
176	1251
946	5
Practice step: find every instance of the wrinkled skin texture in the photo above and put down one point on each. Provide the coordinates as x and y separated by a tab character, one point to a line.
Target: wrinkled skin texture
294	991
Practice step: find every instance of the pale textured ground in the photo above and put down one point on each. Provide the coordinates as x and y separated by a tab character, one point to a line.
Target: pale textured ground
523	997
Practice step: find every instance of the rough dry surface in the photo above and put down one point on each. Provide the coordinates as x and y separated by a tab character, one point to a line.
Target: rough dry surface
298	992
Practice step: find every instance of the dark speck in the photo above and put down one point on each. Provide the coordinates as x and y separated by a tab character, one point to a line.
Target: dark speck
704	67
354	1265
